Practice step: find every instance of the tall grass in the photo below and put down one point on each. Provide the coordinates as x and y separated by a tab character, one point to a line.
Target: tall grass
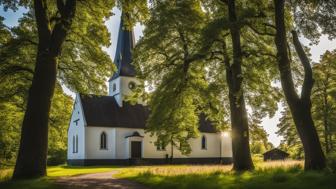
175	170
268	175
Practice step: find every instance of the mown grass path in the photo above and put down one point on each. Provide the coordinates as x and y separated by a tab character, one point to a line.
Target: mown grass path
96	181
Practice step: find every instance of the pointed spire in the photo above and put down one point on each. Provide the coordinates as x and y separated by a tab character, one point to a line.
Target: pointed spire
123	55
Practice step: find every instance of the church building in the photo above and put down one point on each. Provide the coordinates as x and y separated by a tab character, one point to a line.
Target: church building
107	130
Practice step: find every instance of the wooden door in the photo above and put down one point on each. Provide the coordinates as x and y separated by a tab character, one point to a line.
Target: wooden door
135	149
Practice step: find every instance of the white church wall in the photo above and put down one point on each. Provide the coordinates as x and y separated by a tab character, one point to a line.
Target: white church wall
124	84
214	148
115	82
122	144
150	150
93	150
226	145
76	129
121	88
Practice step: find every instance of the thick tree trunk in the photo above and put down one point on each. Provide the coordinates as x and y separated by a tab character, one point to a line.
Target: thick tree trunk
32	156
31	160
239	122
300	107
314	157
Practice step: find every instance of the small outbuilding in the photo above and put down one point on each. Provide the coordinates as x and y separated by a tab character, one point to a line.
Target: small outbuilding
275	154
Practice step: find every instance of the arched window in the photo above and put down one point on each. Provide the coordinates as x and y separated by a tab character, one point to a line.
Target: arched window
114	87
73	144
76	143
204	142
103	138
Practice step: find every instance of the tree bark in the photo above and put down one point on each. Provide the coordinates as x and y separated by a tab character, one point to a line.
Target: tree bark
300	107
239	122
32	157
31	160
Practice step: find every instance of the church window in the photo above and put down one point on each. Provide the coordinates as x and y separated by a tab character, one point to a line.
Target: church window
76	143
103	140
114	87
73	144
204	145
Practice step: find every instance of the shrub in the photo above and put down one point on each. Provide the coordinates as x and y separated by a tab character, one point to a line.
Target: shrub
57	157
331	162
257	158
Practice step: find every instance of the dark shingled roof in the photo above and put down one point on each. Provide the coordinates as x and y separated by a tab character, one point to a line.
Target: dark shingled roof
104	111
123	55
276	150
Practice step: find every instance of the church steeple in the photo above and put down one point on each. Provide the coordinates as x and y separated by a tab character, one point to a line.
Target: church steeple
123	55
123	82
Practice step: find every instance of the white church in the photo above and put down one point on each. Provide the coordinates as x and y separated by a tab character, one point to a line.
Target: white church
107	130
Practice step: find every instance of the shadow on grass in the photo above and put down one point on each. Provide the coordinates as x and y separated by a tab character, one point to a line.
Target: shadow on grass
41	183
84	167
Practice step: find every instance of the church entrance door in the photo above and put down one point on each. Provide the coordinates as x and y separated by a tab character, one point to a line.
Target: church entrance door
136	149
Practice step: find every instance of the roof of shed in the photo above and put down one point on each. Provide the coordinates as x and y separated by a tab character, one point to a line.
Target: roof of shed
276	150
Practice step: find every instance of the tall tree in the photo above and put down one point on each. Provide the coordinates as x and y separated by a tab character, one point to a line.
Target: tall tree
53	21
166	58
248	80
31	160
239	119
300	106
324	99
205	89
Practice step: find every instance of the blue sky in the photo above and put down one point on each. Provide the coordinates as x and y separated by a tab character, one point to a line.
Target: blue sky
11	19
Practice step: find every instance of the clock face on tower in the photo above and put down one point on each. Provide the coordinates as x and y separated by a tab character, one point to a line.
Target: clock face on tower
131	85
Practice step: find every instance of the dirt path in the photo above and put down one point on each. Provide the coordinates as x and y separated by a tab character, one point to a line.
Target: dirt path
97	181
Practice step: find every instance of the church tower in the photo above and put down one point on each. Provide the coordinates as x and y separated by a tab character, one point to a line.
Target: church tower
123	81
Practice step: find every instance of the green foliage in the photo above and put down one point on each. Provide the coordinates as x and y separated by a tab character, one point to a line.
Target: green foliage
331	162
323	109
9	132
291	142
180	58
11	118
259	142
313	18
324	100
83	66
163	58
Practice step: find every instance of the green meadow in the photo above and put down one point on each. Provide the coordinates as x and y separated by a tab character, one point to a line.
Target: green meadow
269	175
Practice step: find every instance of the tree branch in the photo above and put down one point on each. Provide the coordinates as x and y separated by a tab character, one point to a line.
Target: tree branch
308	81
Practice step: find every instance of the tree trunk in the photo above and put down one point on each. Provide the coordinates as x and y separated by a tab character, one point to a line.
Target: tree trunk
300	107
31	160
32	156
239	122
171	150
314	157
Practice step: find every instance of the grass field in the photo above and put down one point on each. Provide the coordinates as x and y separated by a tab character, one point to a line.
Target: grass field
47	182
269	175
